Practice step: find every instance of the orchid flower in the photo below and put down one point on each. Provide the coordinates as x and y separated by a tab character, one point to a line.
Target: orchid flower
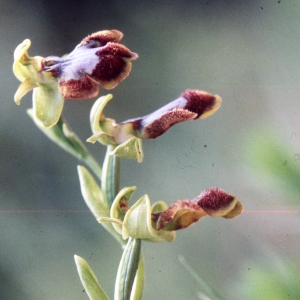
211	202
98	59
158	222
191	105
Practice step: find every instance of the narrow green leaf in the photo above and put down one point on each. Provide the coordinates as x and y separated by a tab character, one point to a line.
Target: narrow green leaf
96	200
127	269
89	280
92	194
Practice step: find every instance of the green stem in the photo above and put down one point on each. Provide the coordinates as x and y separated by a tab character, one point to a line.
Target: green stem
128	269
92	163
110	181
139	280
64	137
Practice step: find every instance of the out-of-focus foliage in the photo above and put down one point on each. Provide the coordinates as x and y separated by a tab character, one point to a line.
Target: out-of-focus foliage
277	283
274	163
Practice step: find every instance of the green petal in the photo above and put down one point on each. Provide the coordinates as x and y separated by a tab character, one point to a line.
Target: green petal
25	66
47	103
102	137
159	206
89	280
25	87
96	112
109	220
121	205
20	71
131	149
102	127
21	49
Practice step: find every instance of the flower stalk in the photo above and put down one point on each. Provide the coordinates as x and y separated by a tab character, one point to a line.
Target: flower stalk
110	180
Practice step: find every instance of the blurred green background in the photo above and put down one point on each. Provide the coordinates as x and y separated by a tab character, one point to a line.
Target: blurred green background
245	51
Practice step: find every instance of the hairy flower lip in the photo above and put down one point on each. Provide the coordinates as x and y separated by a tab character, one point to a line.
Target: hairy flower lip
218	203
191	105
98	59
179	215
202	103
212	202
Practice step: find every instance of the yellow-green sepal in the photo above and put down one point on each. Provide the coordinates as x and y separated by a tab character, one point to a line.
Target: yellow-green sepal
138	223
48	103
131	149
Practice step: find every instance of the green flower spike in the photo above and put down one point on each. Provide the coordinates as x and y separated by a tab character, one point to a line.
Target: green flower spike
47	99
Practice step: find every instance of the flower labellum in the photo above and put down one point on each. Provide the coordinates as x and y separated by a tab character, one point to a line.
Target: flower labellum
183	213
191	105
217	203
98	59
